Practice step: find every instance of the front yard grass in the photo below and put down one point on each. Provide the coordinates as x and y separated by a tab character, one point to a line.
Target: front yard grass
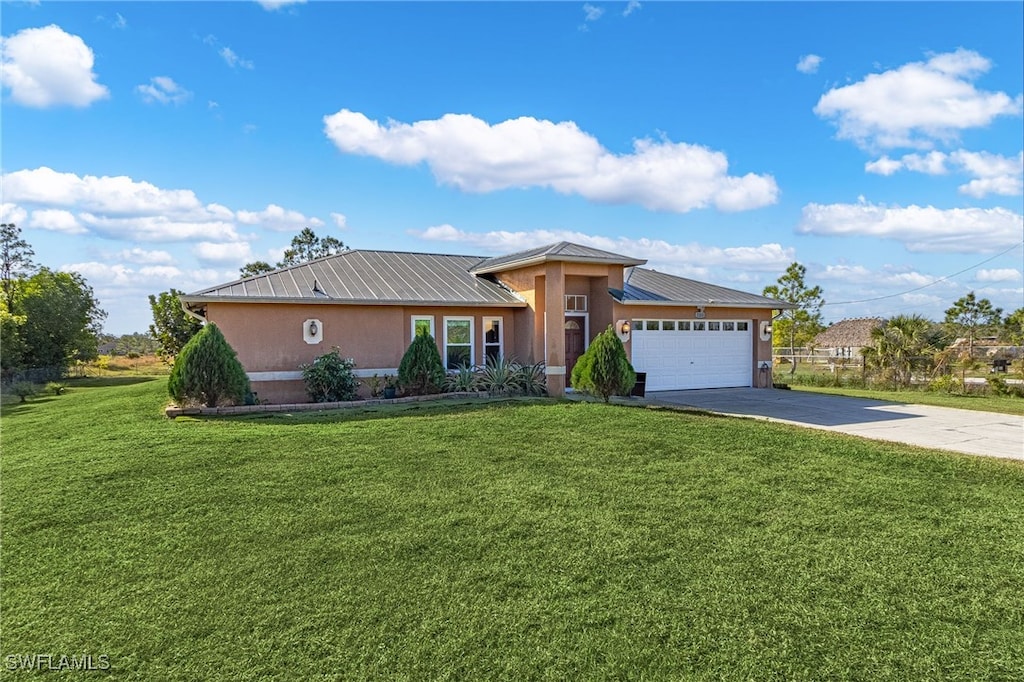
500	541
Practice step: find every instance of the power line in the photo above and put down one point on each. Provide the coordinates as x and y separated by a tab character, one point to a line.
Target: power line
925	286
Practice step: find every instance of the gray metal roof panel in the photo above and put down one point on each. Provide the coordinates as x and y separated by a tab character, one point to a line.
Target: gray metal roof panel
560	251
367	276
646	286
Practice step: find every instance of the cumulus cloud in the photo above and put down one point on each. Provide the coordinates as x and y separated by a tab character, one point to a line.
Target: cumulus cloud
47	67
917	104
56	220
592	12
144	257
272	5
12	213
164	90
919	228
232	59
999	275
474	156
339	220
992	173
809	63
663	255
122	208
631	6
274	217
225	253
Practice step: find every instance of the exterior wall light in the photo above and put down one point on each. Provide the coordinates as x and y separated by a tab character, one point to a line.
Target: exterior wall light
313	328
624	327
312	332
622	330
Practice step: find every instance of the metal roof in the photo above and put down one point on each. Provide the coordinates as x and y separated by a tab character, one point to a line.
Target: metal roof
369	277
561	251
650	287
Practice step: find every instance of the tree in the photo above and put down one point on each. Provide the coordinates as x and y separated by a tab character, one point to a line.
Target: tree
305	246
172	327
972	317
15	261
604	369
1013	327
62	319
12	346
421	370
207	372
802	323
899	346
256	268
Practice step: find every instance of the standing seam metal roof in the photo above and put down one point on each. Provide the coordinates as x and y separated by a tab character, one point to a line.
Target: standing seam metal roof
643	285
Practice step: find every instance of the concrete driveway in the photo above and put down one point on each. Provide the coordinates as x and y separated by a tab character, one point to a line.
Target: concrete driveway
967	431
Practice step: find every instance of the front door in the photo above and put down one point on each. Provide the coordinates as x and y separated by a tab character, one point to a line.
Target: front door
573	346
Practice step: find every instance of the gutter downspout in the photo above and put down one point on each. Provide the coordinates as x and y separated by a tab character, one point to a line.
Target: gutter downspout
190	312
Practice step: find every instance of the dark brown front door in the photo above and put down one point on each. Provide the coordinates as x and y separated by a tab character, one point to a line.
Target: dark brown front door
573	345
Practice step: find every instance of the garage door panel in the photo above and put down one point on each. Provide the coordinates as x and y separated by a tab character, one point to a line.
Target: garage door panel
676	359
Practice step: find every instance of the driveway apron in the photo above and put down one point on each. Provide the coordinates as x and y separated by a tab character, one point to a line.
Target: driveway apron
966	431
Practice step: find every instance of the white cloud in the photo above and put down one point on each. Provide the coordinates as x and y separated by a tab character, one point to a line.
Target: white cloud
158	228
232	59
993	173
919	228
46	67
340	221
274	217
999	275
144	257
592	12
56	220
164	90
809	63
226	253
474	156
918	103
271	5
12	213
660	254
631	6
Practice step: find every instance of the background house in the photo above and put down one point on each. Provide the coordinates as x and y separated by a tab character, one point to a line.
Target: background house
846	338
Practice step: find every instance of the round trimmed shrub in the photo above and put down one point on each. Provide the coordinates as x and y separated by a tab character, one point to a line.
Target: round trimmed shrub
207	372
604	369
330	378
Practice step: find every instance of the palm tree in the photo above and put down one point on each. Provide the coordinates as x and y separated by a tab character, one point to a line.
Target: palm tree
900	346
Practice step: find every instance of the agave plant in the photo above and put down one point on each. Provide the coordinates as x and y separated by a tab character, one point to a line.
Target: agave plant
499	375
532	379
464	379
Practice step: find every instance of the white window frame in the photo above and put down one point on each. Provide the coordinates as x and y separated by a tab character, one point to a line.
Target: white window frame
501	335
472	338
576	299
417	318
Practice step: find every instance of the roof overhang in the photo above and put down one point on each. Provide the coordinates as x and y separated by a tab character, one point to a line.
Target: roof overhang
551	258
705	304
203	300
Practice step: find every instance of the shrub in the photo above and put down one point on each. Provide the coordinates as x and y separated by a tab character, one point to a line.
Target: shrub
56	387
499	375
604	369
329	378
207	372
421	370
464	379
532	379
24	390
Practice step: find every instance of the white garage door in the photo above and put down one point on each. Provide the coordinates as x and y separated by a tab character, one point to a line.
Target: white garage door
678	354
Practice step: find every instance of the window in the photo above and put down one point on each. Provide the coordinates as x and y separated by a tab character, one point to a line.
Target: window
638	325
652	325
458	341
714	326
698	326
684	326
575	303
742	326
492	338
668	325
425	322
728	326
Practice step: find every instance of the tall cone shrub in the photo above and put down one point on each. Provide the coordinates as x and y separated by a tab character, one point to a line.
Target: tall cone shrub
421	370
207	372
604	369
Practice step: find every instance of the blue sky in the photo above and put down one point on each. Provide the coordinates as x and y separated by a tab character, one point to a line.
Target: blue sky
154	145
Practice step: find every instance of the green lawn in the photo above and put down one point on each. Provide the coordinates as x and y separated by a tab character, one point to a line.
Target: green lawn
502	541
983	403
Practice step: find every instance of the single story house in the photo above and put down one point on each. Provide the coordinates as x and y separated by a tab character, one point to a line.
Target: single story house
846	338
544	304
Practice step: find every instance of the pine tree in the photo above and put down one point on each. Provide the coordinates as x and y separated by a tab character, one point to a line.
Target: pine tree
421	370
207	372
604	369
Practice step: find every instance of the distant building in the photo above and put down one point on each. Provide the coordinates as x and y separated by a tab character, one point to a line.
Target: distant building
846	338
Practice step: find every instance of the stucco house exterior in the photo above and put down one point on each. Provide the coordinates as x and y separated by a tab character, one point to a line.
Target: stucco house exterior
541	305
